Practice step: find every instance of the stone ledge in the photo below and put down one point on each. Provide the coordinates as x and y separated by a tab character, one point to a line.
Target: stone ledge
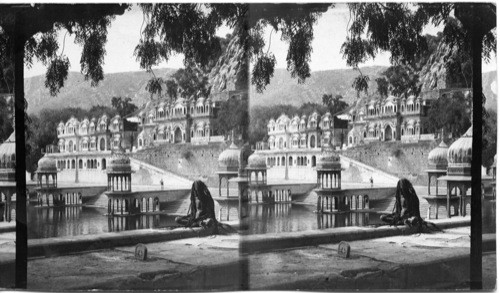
261	243
67	245
248	244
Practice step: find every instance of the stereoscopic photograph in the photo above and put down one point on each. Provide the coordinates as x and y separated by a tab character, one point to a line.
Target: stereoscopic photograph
248	146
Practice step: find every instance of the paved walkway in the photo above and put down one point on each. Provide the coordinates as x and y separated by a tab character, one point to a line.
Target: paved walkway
418	261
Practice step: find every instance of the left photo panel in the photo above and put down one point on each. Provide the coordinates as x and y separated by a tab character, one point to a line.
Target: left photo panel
124	146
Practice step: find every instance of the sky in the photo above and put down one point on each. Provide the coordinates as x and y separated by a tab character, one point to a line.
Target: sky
329	33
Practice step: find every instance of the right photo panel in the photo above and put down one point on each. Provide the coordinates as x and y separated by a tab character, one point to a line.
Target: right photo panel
363	118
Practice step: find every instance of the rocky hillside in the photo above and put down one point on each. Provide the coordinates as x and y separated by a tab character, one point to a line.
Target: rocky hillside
286	90
490	89
230	73
78	93
283	88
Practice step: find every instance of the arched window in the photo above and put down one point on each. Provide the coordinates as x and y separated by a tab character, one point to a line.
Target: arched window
312	142
102	144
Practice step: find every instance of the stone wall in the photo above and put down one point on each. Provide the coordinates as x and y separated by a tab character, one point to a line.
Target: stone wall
94	176
186	160
399	159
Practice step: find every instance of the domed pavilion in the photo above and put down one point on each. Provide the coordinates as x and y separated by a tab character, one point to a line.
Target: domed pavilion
46	172
437	167
437	163
257	178
8	159
121	200
458	178
7	177
229	165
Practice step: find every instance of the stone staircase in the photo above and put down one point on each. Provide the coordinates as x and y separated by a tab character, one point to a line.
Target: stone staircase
358	172
147	174
100	200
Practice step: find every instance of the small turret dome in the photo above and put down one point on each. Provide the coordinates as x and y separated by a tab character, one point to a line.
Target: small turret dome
47	165
8	152
438	157
460	152
328	161
257	161
119	163
460	155
229	159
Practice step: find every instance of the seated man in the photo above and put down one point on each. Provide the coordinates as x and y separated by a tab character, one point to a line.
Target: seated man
406	208
201	211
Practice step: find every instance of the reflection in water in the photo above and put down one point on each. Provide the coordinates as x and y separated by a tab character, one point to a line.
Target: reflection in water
276	218
116	224
344	219
80	220
489	215
264	218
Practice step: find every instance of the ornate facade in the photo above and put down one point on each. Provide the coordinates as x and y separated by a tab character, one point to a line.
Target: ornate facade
306	132
180	121
96	134
394	118
295	143
84	147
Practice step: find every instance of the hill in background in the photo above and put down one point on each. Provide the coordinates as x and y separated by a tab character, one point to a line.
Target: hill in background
77	92
283	88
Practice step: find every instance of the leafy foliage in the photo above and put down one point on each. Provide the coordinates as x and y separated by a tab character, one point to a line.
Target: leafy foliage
123	106
489	137
262	71
382	86
403	80
6	122
171	88
357	51
397	28
92	36
360	84
233	115
57	73
190	29
89	25
449	113
334	104
154	86
191	82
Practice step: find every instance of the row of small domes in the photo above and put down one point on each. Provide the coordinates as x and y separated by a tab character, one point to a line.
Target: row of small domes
119	163
230	159
460	152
